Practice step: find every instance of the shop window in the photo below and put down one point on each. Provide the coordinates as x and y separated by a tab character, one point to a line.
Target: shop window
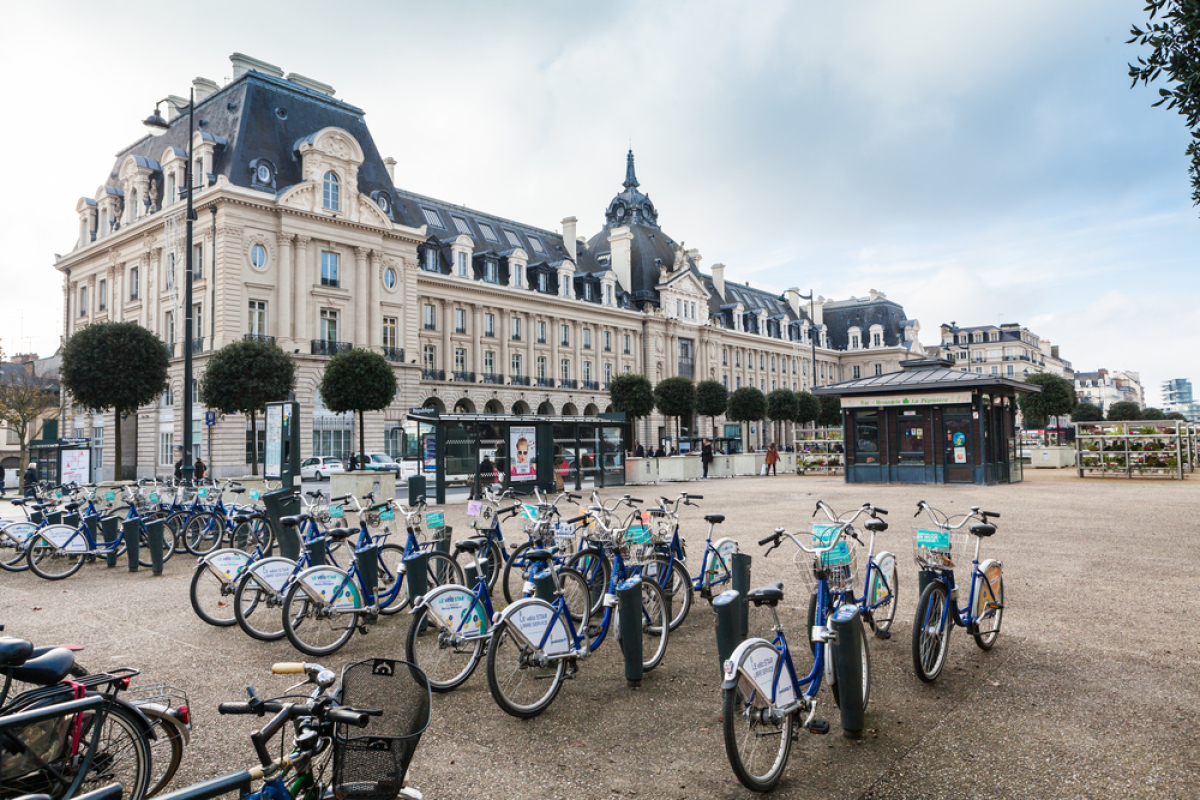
866	437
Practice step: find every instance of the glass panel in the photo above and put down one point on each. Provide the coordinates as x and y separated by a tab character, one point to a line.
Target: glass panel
866	437
912	440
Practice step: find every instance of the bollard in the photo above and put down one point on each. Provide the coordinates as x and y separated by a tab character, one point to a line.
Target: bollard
923	579
847	654
36	517
416	570
154	535
442	545
471	573
281	503
71	519
315	548
93	525
740	580
108	532
131	530
725	606
543	582
368	567
54	518
629	609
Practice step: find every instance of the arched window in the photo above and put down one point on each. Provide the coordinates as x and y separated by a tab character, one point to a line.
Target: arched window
332	197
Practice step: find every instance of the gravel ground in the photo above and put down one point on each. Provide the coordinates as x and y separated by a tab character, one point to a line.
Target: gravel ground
1089	692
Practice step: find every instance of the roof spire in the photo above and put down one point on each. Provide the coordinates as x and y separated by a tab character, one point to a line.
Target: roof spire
631	180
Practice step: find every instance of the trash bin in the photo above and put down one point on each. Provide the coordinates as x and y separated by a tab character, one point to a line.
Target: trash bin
280	503
416	487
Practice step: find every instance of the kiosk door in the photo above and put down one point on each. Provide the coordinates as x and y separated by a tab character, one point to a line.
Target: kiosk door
959	458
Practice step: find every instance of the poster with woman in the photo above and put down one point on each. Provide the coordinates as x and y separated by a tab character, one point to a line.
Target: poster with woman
522	442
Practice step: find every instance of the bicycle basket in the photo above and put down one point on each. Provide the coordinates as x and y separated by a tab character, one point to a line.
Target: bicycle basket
840	563
370	763
938	549
44	742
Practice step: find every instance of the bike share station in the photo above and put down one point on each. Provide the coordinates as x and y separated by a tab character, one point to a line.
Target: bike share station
931	423
281	463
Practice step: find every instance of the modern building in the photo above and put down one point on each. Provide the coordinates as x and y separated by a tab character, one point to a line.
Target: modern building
1177	396
304	239
1008	350
1104	387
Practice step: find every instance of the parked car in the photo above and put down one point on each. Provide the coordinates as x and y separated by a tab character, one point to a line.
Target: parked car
320	468
382	461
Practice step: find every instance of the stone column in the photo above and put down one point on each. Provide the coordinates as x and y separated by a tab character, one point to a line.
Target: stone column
477	338
503	333
301	289
362	308
555	333
283	326
374	319
447	323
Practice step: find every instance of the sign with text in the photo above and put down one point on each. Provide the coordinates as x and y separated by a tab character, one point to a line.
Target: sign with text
890	400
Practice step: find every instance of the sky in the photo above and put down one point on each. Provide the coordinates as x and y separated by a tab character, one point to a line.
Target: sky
977	162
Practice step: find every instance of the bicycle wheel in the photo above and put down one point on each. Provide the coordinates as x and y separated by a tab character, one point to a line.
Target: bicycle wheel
212	597
203	533
882	595
492	568
931	632
597	570
14	541
258	608
866	678
576	595
168	540
313	626
446	658
656	625
122	755
758	739
513	576
390	591
174	523
676	585
989	605
519	684
48	560
256	533
166	749
835	600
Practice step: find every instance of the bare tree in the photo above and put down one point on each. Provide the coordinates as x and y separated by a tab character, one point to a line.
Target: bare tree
24	400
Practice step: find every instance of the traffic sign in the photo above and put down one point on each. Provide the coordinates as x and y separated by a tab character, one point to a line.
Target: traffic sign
210	418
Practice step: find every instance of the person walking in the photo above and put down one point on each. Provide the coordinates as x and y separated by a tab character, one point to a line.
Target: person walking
200	469
30	478
179	464
706	456
638	450
772	459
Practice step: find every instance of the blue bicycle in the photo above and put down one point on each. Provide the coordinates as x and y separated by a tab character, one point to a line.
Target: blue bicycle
763	698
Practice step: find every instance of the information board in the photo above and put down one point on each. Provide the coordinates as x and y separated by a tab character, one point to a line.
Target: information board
274	460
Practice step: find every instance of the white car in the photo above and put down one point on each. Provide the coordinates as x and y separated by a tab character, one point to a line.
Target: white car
320	468
382	461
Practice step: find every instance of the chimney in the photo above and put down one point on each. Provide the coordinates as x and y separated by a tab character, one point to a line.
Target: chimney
176	100
203	87
718	273
390	163
309	83
819	311
621	241
243	63
793	300
568	234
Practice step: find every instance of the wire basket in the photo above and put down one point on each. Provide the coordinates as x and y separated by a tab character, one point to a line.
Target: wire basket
370	763
934	548
840	564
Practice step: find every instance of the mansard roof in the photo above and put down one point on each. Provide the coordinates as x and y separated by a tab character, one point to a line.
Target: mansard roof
862	313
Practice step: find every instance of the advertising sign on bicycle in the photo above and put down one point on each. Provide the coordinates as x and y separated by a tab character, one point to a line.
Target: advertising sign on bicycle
65	537
332	586
822	536
533	619
452	605
228	562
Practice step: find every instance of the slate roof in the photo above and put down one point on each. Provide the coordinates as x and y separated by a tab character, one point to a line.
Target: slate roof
927	374
842	315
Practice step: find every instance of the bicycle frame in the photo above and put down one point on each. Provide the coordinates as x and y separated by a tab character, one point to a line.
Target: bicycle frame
952	612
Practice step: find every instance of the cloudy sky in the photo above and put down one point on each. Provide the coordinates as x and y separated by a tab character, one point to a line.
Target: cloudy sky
978	162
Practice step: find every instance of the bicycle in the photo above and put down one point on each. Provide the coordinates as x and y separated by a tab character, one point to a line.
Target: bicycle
881	583
762	695
542	531
215	580
938	610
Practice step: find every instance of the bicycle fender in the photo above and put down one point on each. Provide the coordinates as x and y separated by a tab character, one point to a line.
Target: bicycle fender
881	561
227	563
757	661
272	573
321	582
447	604
725	548
144	726
985	567
64	538
531	617
160	711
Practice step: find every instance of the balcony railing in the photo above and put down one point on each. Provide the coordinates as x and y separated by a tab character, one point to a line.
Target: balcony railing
259	337
433	374
519	380
394	354
568	383
328	347
198	344
462	376
170	346
591	386
492	377
546	383
516	337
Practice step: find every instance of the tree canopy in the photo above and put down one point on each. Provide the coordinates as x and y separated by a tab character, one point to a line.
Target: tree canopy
808	407
245	375
1057	398
24	400
1124	411
1177	416
712	398
358	380
746	404
1152	413
782	405
114	365
1087	412
675	397
632	394
831	411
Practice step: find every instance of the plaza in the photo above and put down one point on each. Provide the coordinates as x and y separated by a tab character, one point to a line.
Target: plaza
1089	691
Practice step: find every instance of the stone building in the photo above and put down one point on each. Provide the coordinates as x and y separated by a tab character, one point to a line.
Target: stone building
303	238
1104	387
1009	350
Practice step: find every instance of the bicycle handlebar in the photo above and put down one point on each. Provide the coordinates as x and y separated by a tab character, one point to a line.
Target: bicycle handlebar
580	518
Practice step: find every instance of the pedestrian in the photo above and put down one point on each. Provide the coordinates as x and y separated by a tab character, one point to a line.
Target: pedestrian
772	459
706	456
638	450
660	453
30	478
353	462
200	469
179	465
2	481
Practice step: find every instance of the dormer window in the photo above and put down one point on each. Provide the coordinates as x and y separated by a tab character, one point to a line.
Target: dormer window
332	195
432	218
604	259
430	263
512	238
488	232
490	272
462	264
541	281
460	225
517	275
536	244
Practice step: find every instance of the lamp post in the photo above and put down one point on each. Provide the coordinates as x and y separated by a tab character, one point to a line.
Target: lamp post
157	127
812	332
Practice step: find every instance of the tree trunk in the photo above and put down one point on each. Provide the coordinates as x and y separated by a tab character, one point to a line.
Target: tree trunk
118	475
362	448
253	445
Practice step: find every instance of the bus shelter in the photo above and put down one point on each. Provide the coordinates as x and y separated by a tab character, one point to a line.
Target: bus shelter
931	423
521	451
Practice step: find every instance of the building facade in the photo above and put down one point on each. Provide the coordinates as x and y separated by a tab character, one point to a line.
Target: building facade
1103	387
1008	351
304	239
1177	396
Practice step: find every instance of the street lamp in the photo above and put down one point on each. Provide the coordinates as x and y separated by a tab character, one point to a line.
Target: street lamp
812	333
157	127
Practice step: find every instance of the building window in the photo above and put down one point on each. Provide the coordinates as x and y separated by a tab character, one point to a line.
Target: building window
257	323
608	341
856	372
133	283
516	365
587	338
489	362
389	278
608	295
460	225
566	370
462	264
566	335
737	358
166	444
102	296
489	324
512	238
488	233
432	217
725	381
626	344
169	327
628	368
429	316
876	339
541	282
517	271
170	271
429	357
516	329
332	194
329	268
678	304
198	262
762	361
168	397
724	356
430	262
855	342
491	272
541	367
587	370
83	301
879	369
258	256
329	324
737	382
541	331
460	320
607	374
391	336
460	359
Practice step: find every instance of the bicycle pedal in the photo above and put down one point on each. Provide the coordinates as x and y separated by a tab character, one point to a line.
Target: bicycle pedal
819	726
362	629
592	631
572	668
883	634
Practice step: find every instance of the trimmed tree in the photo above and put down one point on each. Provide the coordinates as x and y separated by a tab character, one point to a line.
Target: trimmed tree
782	406
24	399
1124	411
242	377
712	398
358	380
675	397
808	407
633	395
1087	412
831	411
1056	399
1152	414
117	365
1177	415
746	404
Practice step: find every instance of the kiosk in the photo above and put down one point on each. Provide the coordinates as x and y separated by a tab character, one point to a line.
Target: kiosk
930	423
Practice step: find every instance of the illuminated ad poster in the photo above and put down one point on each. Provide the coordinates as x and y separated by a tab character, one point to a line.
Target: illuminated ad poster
522	442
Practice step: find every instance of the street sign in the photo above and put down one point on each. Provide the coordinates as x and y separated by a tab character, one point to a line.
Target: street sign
210	418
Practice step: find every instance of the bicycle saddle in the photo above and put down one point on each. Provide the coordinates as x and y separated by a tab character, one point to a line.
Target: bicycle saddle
539	554
293	522
71	506
470	545
238	489
20	501
46	670
877	525
14	651
714	518
983	529
769	595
